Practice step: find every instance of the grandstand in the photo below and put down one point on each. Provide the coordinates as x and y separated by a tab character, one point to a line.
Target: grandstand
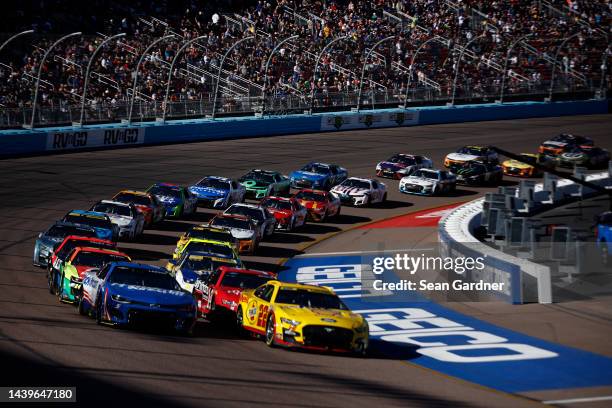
370	54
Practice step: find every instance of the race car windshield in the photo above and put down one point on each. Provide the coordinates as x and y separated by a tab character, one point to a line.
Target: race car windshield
426	174
222	236
212	183
70	245
243	280
306	298
402	159
605	219
317	168
205	264
310	196
62	231
132	198
91	221
528	159
213	249
261	177
277	204
96	259
143	277
112	209
232	223
254	213
165	191
355	183
474	151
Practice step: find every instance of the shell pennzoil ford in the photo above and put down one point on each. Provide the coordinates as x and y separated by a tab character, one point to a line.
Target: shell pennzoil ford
298	315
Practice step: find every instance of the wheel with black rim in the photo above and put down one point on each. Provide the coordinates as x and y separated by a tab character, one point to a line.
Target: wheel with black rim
270	331
605	254
50	282
337	215
240	320
99	312
384	199
81	308
60	290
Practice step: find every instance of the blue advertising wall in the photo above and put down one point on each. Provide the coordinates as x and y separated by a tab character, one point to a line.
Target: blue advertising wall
22	142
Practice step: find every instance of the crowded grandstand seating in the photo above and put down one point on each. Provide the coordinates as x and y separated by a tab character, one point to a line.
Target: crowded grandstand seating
489	27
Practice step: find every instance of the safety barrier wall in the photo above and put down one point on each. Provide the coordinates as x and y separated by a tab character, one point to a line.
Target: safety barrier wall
525	281
21	142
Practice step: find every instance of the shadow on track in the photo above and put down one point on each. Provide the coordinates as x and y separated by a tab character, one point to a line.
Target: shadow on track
156	239
145	254
29	372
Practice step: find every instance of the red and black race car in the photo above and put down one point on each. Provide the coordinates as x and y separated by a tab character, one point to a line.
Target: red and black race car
288	212
59	256
320	204
220	291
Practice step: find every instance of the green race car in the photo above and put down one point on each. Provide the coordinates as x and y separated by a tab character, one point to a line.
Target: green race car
263	183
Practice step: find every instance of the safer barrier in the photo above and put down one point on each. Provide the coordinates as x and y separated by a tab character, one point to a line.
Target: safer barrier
524	281
22	142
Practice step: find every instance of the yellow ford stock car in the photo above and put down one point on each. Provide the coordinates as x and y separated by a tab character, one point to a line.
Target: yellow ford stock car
524	168
305	316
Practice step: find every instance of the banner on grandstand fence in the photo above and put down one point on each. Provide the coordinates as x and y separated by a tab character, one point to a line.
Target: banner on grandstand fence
369	120
84	139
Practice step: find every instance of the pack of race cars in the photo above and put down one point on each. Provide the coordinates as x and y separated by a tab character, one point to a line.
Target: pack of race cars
205	276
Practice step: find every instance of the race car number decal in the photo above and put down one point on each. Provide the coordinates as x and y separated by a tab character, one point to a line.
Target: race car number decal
263	315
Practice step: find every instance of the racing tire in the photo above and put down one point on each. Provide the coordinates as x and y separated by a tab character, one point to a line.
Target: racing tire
240	321
60	290
361	352
384	199
366	202
81	308
606	259
337	215
98	309
270	332
324	216
50	283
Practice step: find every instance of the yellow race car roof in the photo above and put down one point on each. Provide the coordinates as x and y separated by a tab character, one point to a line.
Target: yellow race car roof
300	286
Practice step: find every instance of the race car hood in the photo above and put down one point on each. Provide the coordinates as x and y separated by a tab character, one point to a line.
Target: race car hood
515	163
83	269
255	184
151	296
279	214
417	180
312	205
168	200
333	317
461	157
467	172
385	165
50	242
119	219
351	191
554	143
208	192
240	233
307	175
578	156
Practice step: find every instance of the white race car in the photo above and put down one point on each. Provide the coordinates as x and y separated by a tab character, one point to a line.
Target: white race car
470	153
126	216
360	192
260	216
428	182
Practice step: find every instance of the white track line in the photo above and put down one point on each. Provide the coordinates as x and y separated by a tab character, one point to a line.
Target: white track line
363	252
579	400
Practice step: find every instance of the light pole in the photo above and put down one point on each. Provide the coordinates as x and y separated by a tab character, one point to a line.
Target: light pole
176	57
364	66
40	67
263	91
503	83
142	57
15	37
410	69
316	68
89	64
552	76
452	103
604	68
221	66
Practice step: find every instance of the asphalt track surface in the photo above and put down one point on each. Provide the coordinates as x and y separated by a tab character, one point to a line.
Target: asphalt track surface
44	342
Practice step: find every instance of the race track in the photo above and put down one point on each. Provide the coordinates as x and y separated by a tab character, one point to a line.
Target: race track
43	342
